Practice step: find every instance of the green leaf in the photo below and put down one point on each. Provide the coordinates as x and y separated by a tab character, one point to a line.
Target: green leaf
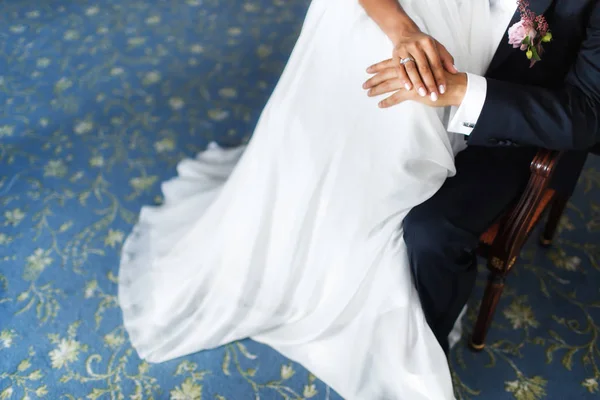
550	351
6	393
64	227
526	41
245	351
539	341
83	198
35	375
41	391
24	365
95	394
226	362
184	367
72	330
567	360
555	336
544	288
535	54
586	360
198	376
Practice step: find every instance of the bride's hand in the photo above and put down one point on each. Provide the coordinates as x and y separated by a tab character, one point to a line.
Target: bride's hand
427	73
389	78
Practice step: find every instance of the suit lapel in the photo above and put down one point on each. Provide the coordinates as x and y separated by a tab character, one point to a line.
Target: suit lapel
540	6
504	49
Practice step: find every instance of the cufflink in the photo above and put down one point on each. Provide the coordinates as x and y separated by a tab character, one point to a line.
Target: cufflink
468	125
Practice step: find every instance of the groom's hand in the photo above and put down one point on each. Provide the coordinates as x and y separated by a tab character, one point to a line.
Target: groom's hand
388	78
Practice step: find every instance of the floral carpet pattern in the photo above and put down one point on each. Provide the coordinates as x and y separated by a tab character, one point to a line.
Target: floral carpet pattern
99	101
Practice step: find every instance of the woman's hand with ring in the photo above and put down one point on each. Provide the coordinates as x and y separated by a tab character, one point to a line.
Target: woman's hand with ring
426	74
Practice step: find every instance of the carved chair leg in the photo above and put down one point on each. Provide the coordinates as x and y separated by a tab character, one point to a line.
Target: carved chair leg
493	291
556	212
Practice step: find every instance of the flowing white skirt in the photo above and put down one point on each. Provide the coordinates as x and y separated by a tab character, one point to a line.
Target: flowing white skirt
296	240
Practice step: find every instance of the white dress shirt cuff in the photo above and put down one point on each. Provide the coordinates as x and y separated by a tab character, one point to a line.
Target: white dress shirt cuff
464	118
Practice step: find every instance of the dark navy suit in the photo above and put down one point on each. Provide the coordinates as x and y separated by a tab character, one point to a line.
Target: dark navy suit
556	105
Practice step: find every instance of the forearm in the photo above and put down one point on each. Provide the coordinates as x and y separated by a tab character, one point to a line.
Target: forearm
562	118
390	17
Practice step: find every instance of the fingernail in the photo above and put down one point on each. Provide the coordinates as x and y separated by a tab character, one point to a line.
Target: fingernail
407	86
454	66
380	105
442	89
434	96
422	92
370	92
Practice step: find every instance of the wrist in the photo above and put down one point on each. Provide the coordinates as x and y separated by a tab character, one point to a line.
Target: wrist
457	85
403	28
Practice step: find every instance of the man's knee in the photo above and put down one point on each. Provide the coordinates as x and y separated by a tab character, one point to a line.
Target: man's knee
432	240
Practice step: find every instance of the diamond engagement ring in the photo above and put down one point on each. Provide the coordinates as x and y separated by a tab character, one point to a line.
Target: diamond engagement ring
406	60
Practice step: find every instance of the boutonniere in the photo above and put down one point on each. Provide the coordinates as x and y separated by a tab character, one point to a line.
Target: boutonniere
529	33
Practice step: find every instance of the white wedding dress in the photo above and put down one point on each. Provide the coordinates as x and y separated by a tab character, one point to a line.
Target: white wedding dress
296	240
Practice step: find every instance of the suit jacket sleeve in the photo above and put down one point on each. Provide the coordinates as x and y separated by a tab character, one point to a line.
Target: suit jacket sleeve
561	118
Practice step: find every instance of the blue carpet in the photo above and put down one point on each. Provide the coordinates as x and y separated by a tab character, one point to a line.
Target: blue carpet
99	102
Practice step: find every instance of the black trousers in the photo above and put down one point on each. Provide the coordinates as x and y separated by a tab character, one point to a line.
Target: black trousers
442	233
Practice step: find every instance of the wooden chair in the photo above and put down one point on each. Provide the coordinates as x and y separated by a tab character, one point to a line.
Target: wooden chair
502	243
